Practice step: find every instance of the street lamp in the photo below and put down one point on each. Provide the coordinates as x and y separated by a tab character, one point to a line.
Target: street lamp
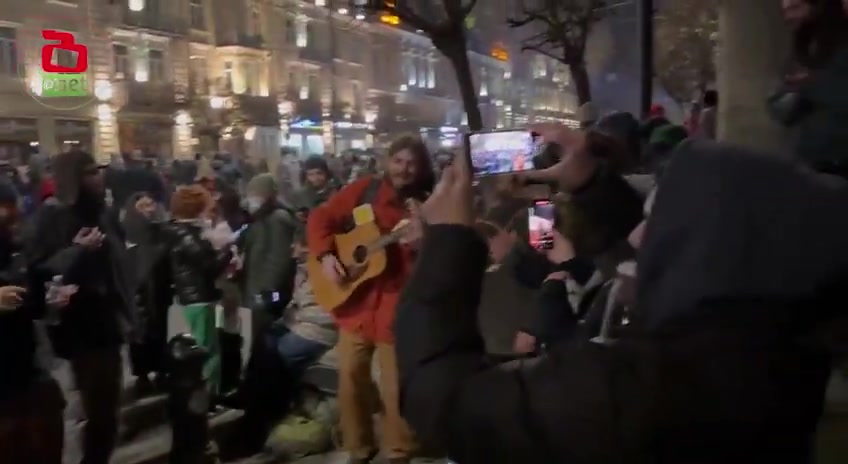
103	90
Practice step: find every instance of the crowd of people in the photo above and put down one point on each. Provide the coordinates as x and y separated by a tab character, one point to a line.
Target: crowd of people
683	309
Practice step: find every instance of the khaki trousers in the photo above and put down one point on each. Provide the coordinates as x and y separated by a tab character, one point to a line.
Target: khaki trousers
356	399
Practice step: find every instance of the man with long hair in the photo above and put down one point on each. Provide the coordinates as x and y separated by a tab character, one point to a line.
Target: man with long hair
365	320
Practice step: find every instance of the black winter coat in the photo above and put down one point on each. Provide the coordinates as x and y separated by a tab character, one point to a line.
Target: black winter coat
195	264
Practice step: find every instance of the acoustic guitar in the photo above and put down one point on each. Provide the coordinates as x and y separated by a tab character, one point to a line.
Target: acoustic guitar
362	252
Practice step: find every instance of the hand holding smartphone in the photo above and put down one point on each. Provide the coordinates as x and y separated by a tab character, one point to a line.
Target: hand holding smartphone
501	152
540	224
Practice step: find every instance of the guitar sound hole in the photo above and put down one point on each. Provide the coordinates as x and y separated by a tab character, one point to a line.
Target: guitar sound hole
360	254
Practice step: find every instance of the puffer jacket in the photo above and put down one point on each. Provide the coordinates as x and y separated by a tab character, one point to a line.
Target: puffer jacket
195	264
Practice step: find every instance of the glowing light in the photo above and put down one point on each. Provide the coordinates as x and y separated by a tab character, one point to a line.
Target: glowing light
141	75
136	5
36	85
320	2
342	11
390	19
182	118
104	112
285	107
103	90
217	103
360	17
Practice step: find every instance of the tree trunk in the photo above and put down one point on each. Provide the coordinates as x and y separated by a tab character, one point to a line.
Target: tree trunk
751	59
454	49
580	77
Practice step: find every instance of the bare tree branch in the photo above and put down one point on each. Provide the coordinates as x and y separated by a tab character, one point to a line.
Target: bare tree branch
686	46
408	15
466	10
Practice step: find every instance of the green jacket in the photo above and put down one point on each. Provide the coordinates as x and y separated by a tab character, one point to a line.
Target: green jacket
269	264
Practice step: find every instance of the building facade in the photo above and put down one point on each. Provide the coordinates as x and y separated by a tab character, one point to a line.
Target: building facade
172	78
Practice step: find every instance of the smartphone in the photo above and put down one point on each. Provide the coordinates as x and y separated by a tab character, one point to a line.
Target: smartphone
540	224
500	152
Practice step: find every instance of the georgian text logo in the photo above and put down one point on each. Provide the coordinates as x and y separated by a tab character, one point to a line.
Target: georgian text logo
63	79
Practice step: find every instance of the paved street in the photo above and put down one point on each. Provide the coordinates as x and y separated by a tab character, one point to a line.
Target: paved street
73	412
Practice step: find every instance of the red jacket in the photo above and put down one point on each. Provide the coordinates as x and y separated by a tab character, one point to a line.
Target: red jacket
370	312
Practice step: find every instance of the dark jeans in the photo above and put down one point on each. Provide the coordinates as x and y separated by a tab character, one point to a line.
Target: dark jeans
272	378
32	426
98	378
150	354
295	351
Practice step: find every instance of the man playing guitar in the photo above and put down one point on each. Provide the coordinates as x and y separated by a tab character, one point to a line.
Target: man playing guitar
365	320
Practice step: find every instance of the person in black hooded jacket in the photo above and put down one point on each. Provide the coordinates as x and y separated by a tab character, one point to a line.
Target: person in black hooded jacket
76	240
719	363
149	270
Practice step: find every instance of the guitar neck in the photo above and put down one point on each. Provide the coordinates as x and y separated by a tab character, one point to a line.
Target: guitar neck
385	240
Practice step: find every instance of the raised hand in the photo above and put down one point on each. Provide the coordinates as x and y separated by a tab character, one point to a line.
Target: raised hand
452	199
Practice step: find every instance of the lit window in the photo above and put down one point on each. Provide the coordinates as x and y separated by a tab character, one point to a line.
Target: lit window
301	33
121	61
422	72
198	16
540	68
228	75
156	65
409	69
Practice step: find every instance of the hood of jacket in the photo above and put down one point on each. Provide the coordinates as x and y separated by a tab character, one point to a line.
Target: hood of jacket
733	225
68	171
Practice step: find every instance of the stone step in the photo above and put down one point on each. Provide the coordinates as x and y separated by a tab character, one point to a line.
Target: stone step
141	415
153	446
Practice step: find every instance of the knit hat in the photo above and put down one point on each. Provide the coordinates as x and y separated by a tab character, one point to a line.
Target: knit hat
316	162
263	185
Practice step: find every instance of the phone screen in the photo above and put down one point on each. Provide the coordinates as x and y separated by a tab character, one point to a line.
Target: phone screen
501	152
540	224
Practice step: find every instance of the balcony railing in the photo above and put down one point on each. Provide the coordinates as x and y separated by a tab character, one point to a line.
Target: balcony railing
261	111
314	54
244	40
153	20
146	96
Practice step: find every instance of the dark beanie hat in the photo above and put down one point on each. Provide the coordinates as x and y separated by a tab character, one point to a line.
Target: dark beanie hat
316	162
